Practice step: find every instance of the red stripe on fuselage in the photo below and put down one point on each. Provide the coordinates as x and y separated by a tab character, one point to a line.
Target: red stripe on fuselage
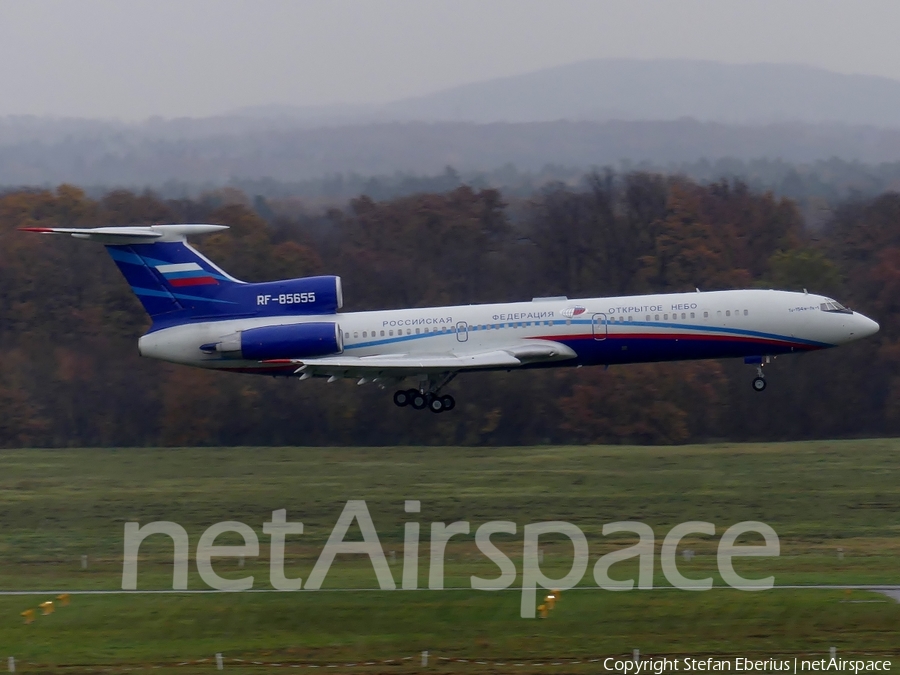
277	370
681	336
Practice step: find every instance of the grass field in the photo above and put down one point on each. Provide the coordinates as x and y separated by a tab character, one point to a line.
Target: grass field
57	505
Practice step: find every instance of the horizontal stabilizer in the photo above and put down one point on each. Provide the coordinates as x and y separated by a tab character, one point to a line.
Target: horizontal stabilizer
131	235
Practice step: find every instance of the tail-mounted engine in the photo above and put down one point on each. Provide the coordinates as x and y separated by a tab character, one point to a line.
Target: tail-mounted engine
286	341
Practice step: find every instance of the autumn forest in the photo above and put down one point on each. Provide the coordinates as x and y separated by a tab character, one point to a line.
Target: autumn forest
70	374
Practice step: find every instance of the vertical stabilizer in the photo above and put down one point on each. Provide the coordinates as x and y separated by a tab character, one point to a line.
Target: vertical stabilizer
177	284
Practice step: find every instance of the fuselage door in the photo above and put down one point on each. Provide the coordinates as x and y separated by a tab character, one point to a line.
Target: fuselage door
598	326
462	331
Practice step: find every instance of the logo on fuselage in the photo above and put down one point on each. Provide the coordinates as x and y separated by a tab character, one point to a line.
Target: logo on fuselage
569	312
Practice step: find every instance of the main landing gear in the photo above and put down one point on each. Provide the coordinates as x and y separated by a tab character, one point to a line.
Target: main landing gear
419	401
427	396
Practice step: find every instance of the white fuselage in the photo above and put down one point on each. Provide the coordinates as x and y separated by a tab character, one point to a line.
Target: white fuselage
612	330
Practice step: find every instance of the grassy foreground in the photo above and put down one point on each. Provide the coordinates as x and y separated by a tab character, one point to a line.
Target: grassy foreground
57	505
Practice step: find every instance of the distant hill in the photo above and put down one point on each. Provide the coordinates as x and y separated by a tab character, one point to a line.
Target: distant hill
155	153
586	114
630	89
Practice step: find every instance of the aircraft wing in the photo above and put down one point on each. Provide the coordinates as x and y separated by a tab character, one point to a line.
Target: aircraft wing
402	365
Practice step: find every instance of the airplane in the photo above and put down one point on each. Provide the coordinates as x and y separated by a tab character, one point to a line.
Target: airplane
202	316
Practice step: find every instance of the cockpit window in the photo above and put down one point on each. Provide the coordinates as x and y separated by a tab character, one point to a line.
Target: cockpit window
832	306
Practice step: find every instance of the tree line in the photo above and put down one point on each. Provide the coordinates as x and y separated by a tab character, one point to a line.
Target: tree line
71	376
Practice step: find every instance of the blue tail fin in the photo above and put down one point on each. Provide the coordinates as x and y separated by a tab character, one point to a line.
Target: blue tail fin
176	284
172	277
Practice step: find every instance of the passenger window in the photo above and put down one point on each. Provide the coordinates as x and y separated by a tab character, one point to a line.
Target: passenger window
727	312
392	332
346	336
705	315
568	322
364	333
746	312
551	323
683	315
355	334
382	333
665	317
648	317
629	319
692	315
417	331
656	317
409	331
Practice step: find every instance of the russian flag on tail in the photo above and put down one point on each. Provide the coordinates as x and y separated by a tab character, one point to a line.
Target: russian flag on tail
186	274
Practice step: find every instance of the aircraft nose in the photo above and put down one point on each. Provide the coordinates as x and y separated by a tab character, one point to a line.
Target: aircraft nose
864	326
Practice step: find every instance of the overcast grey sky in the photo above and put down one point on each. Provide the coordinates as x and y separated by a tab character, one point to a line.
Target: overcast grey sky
136	58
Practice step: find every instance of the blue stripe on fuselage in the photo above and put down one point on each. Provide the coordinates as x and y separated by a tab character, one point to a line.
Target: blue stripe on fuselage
722	329
705	330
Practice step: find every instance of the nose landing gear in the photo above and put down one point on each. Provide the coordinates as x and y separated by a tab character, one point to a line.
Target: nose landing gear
759	382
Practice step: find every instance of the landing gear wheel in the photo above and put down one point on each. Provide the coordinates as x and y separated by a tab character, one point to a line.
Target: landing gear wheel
436	404
418	400
759	384
402	398
448	401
